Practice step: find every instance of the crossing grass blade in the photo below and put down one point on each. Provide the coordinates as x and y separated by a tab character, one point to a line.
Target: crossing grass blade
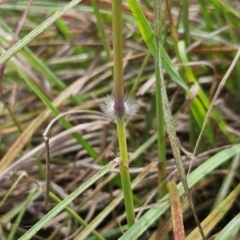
148	36
34	33
216	215
230	230
193	178
58	208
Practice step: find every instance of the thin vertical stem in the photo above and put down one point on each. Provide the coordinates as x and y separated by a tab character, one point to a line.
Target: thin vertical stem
186	22
124	172
119	110
122	142
159	108
117	53
101	30
48	173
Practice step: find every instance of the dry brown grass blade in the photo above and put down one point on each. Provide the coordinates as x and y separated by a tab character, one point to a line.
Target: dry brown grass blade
47	148
176	209
22	140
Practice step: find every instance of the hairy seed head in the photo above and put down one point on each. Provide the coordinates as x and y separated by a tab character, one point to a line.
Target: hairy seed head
108	109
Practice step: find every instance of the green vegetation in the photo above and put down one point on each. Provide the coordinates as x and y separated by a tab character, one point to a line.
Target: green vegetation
138	106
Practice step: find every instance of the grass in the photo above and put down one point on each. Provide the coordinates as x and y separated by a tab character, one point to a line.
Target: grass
180	65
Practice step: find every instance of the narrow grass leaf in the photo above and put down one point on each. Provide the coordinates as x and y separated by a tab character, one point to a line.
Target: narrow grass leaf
101	30
216	215
21	141
228	181
75	215
21	213
199	114
12	188
199	173
34	33
57	209
55	111
148	36
11	214
197	107
230	230
205	103
111	206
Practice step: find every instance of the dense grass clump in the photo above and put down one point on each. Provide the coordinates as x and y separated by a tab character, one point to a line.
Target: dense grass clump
119	119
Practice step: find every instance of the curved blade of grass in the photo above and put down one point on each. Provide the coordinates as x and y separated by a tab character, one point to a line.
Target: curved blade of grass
55	111
20	215
199	173
230	230
216	215
75	215
12	188
176	209
197	108
39	65
227	182
205	102
107	210
31	128
14	211
34	33
58	208
148	36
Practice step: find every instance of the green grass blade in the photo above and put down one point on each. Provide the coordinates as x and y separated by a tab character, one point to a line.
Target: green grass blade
199	173
12	188
63	28
55	111
216	215
200	111
75	215
21	213
101	30
57	209
148	36
230	230
16	210
199	114
34	33
111	206
208	21
228	181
